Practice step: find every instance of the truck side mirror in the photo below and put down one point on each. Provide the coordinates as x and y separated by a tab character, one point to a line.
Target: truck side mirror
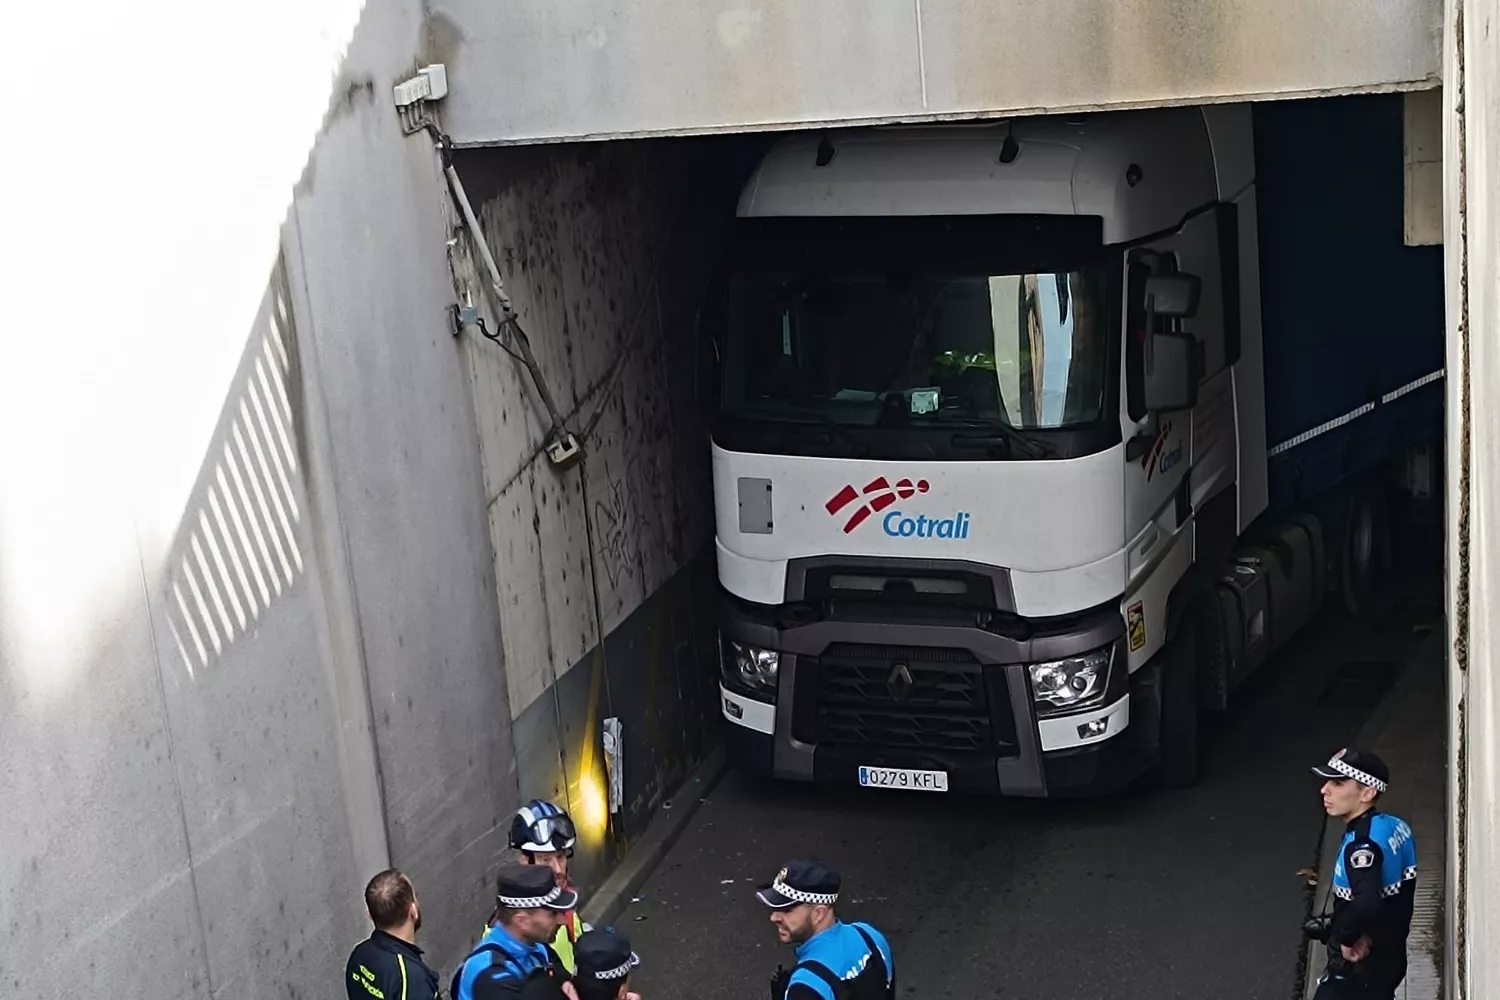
1173	372
1174	295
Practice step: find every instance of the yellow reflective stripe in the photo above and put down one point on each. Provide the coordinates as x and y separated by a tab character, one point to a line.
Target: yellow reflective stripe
402	962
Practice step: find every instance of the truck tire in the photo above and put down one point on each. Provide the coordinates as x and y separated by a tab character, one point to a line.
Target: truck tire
1213	654
1177	740
1362	556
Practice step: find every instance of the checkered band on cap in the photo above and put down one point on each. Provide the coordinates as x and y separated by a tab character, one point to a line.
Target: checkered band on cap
530	902
618	972
798	896
1360	776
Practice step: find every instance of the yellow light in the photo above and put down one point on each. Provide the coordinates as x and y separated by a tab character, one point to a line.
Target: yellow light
589	800
592	814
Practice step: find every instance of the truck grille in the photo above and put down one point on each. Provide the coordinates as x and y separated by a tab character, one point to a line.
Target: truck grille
938	702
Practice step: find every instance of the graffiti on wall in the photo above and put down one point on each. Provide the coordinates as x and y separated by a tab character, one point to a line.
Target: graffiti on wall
615	519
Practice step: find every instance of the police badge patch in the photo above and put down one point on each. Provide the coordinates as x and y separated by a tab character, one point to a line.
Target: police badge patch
1362	858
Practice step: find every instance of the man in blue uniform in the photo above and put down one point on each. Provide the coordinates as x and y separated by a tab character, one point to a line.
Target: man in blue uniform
512	960
388	964
835	960
1374	881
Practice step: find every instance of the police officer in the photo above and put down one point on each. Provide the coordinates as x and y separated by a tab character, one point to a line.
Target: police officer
512	960
1374	881
388	964
835	960
605	962
544	835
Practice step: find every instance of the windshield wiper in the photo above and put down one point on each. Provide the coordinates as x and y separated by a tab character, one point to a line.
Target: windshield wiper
1002	435
806	415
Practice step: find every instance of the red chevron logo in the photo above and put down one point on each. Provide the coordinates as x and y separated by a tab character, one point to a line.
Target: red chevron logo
1148	460
878	494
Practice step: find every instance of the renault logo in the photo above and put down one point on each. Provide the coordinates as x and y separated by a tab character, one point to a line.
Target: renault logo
899	683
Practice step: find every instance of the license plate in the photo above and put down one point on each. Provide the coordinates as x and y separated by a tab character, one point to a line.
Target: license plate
896	777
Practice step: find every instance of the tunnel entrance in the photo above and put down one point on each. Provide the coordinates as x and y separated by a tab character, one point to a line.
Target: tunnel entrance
631	261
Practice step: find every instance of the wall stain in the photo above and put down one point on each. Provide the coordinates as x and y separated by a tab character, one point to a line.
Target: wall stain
442	40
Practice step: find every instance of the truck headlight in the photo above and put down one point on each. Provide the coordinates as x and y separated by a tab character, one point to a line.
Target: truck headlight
748	668
1072	684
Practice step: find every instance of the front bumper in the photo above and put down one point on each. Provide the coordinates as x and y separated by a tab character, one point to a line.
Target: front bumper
998	746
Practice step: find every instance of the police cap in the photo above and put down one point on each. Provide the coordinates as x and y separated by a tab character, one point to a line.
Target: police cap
604	956
800	882
532	887
1359	765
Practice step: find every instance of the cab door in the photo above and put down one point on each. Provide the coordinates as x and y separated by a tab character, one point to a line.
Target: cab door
1199	444
1158	444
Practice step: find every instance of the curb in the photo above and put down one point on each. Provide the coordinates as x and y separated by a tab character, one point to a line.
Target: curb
631	873
1315	955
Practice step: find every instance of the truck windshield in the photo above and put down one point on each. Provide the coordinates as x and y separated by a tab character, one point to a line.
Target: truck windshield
866	347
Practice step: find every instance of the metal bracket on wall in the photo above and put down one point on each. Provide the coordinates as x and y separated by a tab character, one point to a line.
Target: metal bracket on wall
413	99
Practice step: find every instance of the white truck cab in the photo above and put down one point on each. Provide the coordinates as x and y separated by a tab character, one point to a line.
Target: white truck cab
991	420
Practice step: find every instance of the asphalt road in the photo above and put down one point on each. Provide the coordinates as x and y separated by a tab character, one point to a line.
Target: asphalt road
1149	894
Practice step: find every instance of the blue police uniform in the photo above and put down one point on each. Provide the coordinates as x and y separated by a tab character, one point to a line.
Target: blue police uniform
842	961
1373	887
1378	843
499	960
857	955
502	967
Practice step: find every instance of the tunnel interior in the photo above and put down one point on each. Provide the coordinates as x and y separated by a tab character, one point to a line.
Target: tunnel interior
612	253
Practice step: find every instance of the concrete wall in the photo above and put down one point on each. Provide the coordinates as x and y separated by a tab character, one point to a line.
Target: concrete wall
1471	237
574	69
249	648
605	572
415	585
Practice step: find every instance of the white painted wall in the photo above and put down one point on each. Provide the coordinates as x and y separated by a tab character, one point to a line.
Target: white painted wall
248	644
1472	238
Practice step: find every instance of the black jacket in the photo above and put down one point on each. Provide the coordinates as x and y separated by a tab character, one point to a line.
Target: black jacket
539	984
1374	887
383	967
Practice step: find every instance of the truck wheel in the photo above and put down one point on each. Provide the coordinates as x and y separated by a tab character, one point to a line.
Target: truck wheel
1212	654
1363	554
1178	738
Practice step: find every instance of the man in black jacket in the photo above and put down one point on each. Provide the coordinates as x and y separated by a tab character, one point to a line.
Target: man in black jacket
388	964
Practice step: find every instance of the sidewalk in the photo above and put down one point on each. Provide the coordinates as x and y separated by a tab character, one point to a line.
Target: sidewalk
1410	732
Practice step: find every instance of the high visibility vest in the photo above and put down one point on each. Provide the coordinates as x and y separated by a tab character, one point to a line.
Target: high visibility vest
562	941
